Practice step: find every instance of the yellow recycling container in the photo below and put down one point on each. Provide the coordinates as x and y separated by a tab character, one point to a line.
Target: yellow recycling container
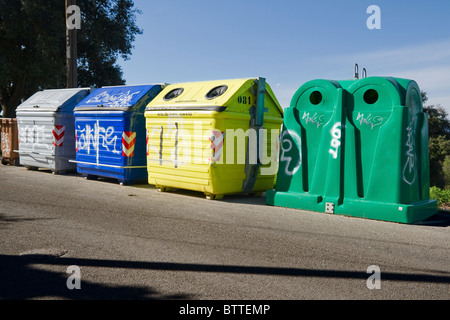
216	137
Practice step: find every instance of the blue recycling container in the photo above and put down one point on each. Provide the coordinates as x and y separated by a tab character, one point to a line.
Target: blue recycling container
111	134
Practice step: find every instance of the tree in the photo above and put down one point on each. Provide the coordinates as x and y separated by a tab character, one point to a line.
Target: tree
439	141
446	171
107	32
439	148
33	46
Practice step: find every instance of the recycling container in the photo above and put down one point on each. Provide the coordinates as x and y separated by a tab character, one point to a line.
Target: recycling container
215	137
110	133
46	129
9	138
358	148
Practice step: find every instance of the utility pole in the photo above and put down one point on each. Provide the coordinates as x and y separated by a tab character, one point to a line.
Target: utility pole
71	50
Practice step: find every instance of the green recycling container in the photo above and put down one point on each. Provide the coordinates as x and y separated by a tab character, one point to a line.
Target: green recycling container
357	148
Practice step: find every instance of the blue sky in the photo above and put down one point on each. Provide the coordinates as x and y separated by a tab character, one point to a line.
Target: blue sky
291	42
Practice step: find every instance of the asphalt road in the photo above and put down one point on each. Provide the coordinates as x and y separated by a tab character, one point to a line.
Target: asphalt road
132	242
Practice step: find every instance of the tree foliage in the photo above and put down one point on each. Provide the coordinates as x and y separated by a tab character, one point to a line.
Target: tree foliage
108	31
33	45
446	171
439	142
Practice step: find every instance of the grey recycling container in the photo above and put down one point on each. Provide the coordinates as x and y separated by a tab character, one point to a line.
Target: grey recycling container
47	129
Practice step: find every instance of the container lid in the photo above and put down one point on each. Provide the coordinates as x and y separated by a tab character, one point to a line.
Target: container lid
215	95
53	100
117	98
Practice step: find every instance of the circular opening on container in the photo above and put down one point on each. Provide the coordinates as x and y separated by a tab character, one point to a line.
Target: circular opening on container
216	92
371	96
315	97
172	94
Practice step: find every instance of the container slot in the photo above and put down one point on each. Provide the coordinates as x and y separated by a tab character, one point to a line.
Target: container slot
216	92
172	94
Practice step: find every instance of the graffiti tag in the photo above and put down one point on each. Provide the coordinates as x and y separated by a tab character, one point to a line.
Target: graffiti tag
35	137
6	144
286	146
93	137
371	121
335	140
122	99
409	170
316	119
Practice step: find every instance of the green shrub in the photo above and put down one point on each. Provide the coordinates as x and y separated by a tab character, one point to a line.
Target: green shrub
442	196
446	171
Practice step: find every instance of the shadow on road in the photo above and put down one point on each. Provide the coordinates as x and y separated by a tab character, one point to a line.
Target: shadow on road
7	219
441	219
20	280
